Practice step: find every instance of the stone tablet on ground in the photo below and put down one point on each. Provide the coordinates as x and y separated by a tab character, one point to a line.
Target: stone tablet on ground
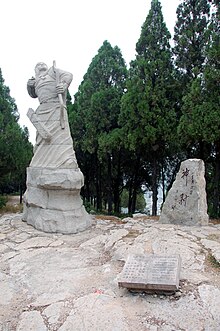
153	273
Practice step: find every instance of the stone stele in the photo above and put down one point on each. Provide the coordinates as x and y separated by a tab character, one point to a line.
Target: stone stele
52	201
186	201
151	273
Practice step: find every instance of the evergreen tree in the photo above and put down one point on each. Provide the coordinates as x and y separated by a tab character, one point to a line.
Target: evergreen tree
148	117
211	106
15	149
200	122
93	119
190	42
140	203
190	37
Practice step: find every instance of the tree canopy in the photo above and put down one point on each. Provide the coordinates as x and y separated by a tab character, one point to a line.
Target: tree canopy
133	126
94	124
15	149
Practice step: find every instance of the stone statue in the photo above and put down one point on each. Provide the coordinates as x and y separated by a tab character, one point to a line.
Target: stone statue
54	147
52	201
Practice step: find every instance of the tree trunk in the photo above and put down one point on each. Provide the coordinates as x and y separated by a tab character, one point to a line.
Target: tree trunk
109	184
86	187
134	199
154	186
202	150
130	197
135	186
20	193
117	185
116	197
98	184
163	182
216	191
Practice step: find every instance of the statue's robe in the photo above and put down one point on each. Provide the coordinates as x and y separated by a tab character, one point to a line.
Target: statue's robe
58	151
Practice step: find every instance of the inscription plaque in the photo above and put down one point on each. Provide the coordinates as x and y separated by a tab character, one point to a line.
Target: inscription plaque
151	272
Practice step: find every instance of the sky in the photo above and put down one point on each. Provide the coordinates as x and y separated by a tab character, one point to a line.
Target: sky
69	32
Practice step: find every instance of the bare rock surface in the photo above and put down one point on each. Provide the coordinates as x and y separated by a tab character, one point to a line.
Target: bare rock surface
57	282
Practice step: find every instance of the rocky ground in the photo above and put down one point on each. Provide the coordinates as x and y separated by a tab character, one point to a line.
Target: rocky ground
61	282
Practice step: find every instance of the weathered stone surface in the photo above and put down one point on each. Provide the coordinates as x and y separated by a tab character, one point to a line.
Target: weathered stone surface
70	282
6	289
96	312
53	202
48	178
213	246
187	313
53	220
34	242
107	240
186	201
54	311
31	321
151	272
210	296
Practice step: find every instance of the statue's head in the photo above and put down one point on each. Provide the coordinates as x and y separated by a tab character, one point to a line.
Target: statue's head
40	68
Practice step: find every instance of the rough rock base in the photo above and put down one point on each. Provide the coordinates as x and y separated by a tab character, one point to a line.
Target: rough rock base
52	202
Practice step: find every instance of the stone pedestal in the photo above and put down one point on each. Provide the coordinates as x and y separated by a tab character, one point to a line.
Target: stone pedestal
52	201
186	201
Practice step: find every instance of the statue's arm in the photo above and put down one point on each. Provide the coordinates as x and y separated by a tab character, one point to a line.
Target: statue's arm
65	78
64	81
31	87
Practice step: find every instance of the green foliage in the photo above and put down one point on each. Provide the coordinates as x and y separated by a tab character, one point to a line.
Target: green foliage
213	261
15	149
199	124
153	43
191	36
135	130
94	124
148	116
3	201
140	203
97	103
200	121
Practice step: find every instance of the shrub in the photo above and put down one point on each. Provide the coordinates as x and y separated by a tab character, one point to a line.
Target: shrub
3	201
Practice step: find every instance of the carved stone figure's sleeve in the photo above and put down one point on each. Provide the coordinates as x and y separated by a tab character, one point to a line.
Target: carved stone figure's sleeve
65	78
31	88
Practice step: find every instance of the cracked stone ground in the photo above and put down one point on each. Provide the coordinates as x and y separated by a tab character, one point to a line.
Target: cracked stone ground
61	282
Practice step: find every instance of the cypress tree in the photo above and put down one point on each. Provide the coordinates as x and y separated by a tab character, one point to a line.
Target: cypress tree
200	122
148	115
15	149
190	37
94	124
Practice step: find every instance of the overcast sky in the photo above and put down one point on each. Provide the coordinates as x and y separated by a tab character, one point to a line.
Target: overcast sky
70	32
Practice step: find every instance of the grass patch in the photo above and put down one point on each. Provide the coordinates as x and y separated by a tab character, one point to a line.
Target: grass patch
213	261
132	234
214	220
214	237
3	201
12	209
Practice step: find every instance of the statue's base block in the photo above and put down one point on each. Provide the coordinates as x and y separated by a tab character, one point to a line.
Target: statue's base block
52	201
